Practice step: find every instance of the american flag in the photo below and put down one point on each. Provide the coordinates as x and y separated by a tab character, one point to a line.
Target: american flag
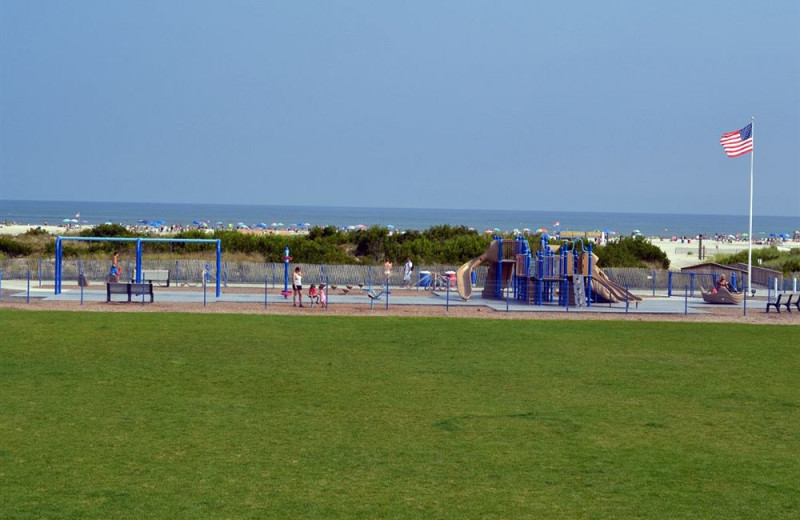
739	142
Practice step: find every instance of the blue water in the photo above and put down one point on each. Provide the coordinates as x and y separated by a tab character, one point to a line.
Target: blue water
129	213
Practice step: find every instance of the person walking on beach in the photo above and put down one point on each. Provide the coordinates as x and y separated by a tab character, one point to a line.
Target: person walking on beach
297	287
407	269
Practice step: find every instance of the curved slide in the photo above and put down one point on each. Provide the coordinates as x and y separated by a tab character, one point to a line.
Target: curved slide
464	273
603	286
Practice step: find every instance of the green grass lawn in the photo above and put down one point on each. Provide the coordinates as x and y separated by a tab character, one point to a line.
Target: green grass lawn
126	415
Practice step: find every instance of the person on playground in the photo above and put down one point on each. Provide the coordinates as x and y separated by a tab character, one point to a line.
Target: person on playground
722	283
312	294
407	269
297	287
115	271
387	269
321	296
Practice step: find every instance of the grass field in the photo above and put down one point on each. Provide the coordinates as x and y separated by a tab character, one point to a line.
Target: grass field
126	415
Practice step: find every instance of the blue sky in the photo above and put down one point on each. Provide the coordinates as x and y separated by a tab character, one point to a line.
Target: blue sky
583	105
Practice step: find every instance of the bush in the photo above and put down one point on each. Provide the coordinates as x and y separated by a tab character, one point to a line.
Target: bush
632	252
14	248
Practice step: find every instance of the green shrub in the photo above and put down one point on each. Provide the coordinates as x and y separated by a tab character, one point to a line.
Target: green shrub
632	252
14	248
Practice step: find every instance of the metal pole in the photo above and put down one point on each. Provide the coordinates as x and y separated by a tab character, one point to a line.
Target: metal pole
265	292
447	300
750	236
219	264
28	298
686	300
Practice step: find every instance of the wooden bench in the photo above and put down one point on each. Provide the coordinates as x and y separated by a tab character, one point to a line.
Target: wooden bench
130	289
788	303
159	276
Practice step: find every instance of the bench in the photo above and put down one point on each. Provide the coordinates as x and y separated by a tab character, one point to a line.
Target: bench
159	276
788	303
129	289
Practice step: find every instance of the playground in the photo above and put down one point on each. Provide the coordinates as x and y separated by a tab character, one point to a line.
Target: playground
513	283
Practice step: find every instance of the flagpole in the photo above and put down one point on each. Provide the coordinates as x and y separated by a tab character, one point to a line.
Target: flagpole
750	236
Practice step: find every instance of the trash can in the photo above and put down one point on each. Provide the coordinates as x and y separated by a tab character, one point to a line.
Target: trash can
424	279
474	277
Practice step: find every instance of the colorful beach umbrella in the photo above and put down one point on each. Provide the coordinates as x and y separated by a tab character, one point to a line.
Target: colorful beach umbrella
541	230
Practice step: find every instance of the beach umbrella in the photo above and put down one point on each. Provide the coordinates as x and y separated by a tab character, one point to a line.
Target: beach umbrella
784	235
351	228
389	226
541	230
66	220
362	226
497	229
745	235
261	225
108	223
488	231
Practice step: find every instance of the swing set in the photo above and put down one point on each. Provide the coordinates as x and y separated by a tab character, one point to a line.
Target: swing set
139	242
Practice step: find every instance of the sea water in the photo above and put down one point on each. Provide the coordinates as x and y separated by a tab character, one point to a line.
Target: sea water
35	213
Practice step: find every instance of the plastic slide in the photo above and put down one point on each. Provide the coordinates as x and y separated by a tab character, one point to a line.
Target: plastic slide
464	273
602	284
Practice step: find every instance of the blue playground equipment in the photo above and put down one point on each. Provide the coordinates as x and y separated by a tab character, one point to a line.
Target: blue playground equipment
139	241
286	259
543	278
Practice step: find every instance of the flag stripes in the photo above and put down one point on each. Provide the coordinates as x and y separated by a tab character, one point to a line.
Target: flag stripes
738	142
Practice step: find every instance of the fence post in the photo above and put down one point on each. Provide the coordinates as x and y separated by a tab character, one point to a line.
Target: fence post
28	297
686	300
1	284
669	284
265	292
744	308
654	282
40	271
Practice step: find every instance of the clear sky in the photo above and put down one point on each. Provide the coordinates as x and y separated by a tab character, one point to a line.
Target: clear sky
595	105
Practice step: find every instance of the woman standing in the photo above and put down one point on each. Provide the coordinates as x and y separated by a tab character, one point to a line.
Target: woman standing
297	287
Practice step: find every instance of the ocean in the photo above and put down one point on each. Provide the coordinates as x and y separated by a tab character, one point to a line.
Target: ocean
35	213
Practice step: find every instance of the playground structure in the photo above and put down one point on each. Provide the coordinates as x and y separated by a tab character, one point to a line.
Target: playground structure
137	275
566	275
